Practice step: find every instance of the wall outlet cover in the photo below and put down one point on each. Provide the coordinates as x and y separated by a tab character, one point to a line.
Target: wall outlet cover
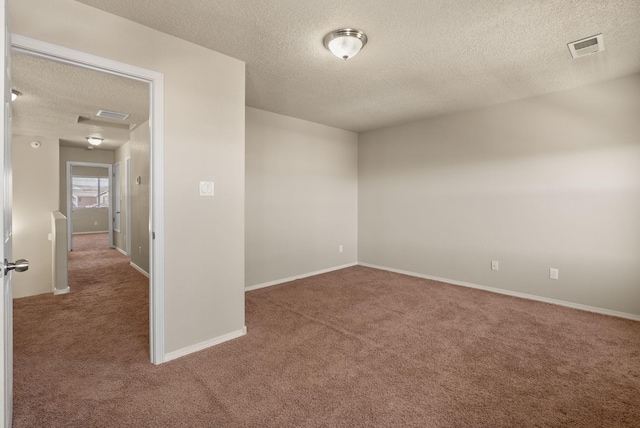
206	188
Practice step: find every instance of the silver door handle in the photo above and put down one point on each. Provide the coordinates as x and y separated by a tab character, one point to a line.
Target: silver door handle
19	266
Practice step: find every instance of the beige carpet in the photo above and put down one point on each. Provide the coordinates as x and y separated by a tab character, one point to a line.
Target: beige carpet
357	347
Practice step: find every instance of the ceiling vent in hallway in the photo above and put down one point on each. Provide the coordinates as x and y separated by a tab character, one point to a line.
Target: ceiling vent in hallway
84	120
112	115
586	46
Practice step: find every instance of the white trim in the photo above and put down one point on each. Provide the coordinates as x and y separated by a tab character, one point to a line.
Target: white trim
90	233
511	293
50	51
117	195
156	216
139	269
127	163
57	292
120	250
293	278
156	123
204	345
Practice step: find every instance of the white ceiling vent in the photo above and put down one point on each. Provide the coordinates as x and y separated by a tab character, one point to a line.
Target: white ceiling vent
112	115
84	120
586	46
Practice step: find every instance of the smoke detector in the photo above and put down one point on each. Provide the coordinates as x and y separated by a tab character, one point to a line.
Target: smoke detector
587	46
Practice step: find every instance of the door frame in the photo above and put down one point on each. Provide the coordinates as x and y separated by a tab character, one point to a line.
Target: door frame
70	165
116	200
155	80
127	179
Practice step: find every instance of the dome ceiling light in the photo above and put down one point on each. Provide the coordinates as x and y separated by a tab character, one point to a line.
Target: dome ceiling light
345	43
94	141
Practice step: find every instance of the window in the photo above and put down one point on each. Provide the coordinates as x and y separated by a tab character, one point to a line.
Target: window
90	192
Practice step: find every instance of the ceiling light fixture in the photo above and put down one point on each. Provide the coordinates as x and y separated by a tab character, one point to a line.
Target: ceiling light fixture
345	43
94	141
15	94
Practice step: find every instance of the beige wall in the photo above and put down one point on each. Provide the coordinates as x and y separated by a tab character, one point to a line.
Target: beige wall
548	182
90	220
89	171
120	238
35	197
139	147
301	197
204	140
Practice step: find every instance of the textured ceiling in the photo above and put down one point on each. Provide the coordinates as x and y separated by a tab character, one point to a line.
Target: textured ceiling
424	57
54	95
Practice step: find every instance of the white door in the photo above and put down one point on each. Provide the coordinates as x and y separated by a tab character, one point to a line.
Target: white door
6	267
5	226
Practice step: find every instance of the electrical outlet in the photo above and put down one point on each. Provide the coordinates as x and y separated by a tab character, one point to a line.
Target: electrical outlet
494	265
340	248
553	273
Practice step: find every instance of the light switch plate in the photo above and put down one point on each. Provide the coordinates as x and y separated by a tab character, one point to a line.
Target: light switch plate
206	188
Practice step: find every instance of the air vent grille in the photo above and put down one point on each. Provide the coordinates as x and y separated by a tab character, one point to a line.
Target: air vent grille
84	120
587	46
112	115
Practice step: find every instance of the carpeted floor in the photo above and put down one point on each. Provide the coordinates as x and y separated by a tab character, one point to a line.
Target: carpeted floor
357	347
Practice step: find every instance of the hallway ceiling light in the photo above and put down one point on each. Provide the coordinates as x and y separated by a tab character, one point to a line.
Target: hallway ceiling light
95	141
345	43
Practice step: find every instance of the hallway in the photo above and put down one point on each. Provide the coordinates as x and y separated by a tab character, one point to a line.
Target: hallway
63	343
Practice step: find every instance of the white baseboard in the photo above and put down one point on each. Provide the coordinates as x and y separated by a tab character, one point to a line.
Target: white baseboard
293	278
139	269
121	250
204	345
90	233
62	291
512	293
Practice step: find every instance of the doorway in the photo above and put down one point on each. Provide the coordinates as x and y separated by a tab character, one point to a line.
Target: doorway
155	222
89	187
